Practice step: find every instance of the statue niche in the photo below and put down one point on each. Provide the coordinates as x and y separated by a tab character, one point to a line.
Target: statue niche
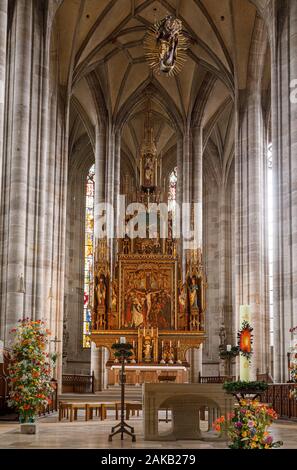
100	302
194	299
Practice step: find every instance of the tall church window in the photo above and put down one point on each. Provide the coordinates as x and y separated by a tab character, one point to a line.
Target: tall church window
172	190
270	236
88	255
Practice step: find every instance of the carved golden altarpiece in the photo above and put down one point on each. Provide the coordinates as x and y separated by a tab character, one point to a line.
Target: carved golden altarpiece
146	298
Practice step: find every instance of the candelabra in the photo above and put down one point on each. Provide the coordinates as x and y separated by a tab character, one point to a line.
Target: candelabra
123	352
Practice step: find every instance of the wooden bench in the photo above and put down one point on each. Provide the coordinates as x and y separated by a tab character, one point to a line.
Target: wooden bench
69	410
102	407
132	407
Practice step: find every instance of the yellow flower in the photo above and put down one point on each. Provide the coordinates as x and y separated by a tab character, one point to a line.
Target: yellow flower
244	434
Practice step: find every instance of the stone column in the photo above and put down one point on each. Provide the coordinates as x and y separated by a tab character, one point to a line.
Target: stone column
3	44
3	51
195	364
186	191
100	172
196	199
17	163
179	187
98	367
117	165
101	196
283	30
250	159
197	193
225	203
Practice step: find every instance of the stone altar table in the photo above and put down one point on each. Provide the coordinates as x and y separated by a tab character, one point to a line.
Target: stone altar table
185	401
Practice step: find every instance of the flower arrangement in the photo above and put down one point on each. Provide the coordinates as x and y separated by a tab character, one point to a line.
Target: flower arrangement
30	369
243	386
245	340
247	425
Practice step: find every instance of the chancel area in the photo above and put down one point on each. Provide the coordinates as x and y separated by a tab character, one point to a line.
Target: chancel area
147	222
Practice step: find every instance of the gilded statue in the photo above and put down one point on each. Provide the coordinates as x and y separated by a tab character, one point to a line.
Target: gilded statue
114	296
193	293
167	40
100	302
182	305
100	291
147	349
165	46
149	171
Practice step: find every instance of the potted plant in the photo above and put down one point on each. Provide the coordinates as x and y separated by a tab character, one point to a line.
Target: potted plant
247	426
30	372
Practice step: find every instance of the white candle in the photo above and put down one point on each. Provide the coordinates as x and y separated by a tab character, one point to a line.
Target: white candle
229	347
245	315
133	344
170	343
162	344
178	344
122	340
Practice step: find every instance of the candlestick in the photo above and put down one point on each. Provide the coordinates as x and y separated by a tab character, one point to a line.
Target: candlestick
245	315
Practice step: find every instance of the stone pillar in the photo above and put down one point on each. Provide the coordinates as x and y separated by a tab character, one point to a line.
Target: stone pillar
17	163
3	44
250	159
225	203
179	186
195	364
102	186
197	193
98	367
100	172
284	149
186	191
117	180
195	190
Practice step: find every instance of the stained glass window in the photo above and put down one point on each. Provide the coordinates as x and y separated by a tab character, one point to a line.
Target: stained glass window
270	236
172	190
88	255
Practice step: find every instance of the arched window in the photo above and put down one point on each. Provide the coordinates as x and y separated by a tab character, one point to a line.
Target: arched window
270	236
88	256
172	190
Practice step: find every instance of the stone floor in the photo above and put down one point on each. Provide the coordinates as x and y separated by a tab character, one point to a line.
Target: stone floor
94	435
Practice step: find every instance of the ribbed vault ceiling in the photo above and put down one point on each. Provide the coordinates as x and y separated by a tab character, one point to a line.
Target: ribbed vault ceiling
101	56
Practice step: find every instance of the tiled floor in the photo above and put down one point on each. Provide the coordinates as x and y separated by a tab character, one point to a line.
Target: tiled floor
94	435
